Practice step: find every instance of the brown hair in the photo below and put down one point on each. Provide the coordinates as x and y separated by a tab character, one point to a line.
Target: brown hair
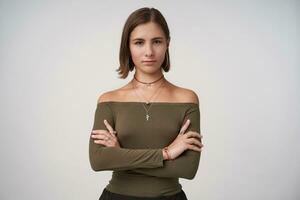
140	16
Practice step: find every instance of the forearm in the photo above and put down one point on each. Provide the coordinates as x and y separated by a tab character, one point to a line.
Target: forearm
115	158
184	166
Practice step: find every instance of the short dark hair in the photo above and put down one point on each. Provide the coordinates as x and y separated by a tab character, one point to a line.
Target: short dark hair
140	16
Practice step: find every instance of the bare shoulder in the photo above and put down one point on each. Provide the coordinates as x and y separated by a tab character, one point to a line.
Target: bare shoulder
186	95
119	94
108	96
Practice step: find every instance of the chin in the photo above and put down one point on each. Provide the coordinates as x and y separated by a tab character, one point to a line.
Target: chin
151	69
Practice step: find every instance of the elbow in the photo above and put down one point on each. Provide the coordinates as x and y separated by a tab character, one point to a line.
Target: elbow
191	171
189	177
96	163
94	166
97	158
190	174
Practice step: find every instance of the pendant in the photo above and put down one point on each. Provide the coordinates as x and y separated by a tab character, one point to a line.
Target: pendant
147	102
147	117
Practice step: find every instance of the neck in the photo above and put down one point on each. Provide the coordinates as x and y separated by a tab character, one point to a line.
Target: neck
148	79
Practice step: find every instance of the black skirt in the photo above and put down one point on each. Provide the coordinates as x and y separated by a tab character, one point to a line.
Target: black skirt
107	195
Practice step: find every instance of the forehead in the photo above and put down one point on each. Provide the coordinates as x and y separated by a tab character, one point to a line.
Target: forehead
147	30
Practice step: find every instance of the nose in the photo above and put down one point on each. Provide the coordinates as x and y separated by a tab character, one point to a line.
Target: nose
148	50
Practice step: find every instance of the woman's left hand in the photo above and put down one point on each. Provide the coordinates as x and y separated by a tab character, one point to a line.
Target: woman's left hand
104	137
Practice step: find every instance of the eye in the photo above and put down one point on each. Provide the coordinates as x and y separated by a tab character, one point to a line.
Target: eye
157	42
138	42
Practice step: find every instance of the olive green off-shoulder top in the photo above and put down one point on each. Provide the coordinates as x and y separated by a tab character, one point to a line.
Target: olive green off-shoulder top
138	166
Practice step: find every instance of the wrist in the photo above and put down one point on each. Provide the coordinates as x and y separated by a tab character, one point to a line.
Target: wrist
166	154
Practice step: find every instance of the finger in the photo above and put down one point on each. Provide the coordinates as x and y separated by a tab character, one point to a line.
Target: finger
194	141
98	131
105	137
108	126
193	134
100	142
194	148
100	136
105	143
102	133
110	129
114	134
184	127
108	143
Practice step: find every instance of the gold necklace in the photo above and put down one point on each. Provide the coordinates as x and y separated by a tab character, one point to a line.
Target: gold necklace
148	101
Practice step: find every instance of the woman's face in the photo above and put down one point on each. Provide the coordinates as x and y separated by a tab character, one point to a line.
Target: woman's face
148	46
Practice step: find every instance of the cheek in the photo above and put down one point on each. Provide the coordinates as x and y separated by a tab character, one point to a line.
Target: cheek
161	54
135	53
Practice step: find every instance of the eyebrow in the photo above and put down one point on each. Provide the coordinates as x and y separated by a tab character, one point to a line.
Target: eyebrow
155	38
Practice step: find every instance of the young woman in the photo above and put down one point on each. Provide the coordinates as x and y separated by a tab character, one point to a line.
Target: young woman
148	131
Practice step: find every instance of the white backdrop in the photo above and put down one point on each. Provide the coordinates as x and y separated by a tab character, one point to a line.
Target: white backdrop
240	57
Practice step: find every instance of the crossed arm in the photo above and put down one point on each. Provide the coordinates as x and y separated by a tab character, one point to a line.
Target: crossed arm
144	161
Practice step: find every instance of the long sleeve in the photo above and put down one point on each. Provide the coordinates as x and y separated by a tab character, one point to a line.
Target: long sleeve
115	158
186	165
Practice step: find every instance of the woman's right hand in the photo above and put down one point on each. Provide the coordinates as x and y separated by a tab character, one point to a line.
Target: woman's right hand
189	140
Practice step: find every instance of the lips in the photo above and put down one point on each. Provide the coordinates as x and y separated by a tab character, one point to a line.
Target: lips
149	61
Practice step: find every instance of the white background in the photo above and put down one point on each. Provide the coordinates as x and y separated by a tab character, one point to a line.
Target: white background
240	57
